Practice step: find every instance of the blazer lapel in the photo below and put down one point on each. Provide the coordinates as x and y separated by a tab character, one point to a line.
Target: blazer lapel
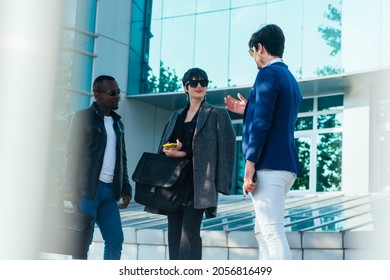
171	125
202	116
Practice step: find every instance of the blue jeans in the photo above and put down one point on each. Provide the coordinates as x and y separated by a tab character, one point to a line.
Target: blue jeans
105	212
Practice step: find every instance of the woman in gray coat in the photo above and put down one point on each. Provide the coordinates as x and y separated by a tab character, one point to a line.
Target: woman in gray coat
204	134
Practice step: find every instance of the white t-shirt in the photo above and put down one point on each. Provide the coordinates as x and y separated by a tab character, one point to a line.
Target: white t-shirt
108	168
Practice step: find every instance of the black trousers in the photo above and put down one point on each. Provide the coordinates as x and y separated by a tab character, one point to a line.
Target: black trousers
184	239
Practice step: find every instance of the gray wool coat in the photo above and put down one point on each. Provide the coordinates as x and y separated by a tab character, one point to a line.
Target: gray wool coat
213	149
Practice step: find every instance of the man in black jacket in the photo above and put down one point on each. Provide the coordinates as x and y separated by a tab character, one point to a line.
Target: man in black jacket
96	177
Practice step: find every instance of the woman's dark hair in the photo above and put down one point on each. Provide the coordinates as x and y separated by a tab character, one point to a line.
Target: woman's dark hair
271	37
192	73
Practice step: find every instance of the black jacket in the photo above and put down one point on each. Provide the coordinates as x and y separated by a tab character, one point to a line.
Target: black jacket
85	151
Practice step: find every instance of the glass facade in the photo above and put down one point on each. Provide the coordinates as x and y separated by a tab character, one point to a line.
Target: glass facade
139	46
214	35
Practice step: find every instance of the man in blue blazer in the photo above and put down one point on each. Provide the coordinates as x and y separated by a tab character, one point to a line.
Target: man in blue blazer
268	141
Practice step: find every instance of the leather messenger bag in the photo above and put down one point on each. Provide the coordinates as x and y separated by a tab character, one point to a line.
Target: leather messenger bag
159	181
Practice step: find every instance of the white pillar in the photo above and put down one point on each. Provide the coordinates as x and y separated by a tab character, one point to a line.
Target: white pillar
356	128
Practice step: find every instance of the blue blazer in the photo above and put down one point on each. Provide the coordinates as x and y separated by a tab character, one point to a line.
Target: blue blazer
269	120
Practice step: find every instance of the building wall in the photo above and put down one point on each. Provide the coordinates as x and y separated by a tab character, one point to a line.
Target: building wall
355	158
380	133
144	126
366	141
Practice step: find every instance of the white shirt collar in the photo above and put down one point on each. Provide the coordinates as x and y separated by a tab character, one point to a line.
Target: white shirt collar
274	61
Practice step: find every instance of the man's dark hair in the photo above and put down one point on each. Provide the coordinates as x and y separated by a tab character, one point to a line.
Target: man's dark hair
196	73
271	37
98	83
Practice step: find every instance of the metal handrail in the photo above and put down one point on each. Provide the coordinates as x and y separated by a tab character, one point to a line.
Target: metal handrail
327	205
338	220
316	201
244	227
330	213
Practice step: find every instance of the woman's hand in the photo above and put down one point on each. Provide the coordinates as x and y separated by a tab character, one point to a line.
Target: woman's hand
175	150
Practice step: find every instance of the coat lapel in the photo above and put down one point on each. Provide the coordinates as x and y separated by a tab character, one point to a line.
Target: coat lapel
171	126
204	111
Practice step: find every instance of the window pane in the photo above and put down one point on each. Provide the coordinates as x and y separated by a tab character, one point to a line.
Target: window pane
317	54
137	29
175	58
329	121
247	3
329	154
177	8
305	123
303	146
330	102
240	32
211	52
307	105
280	12
169	56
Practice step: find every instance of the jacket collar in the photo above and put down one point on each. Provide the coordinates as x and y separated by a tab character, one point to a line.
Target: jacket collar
204	111
203	114
100	113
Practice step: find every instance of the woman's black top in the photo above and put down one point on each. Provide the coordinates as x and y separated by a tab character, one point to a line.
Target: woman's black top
184	131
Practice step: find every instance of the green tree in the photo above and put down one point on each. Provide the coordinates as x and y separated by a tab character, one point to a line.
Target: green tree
151	84
332	35
329	154
168	81
328	70
303	145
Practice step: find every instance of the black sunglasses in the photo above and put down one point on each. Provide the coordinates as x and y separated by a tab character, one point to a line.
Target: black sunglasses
112	92
194	83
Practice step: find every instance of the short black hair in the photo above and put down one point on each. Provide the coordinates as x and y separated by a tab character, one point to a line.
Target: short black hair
271	37
197	73
98	83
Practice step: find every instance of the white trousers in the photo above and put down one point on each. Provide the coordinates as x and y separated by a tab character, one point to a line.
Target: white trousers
268	202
